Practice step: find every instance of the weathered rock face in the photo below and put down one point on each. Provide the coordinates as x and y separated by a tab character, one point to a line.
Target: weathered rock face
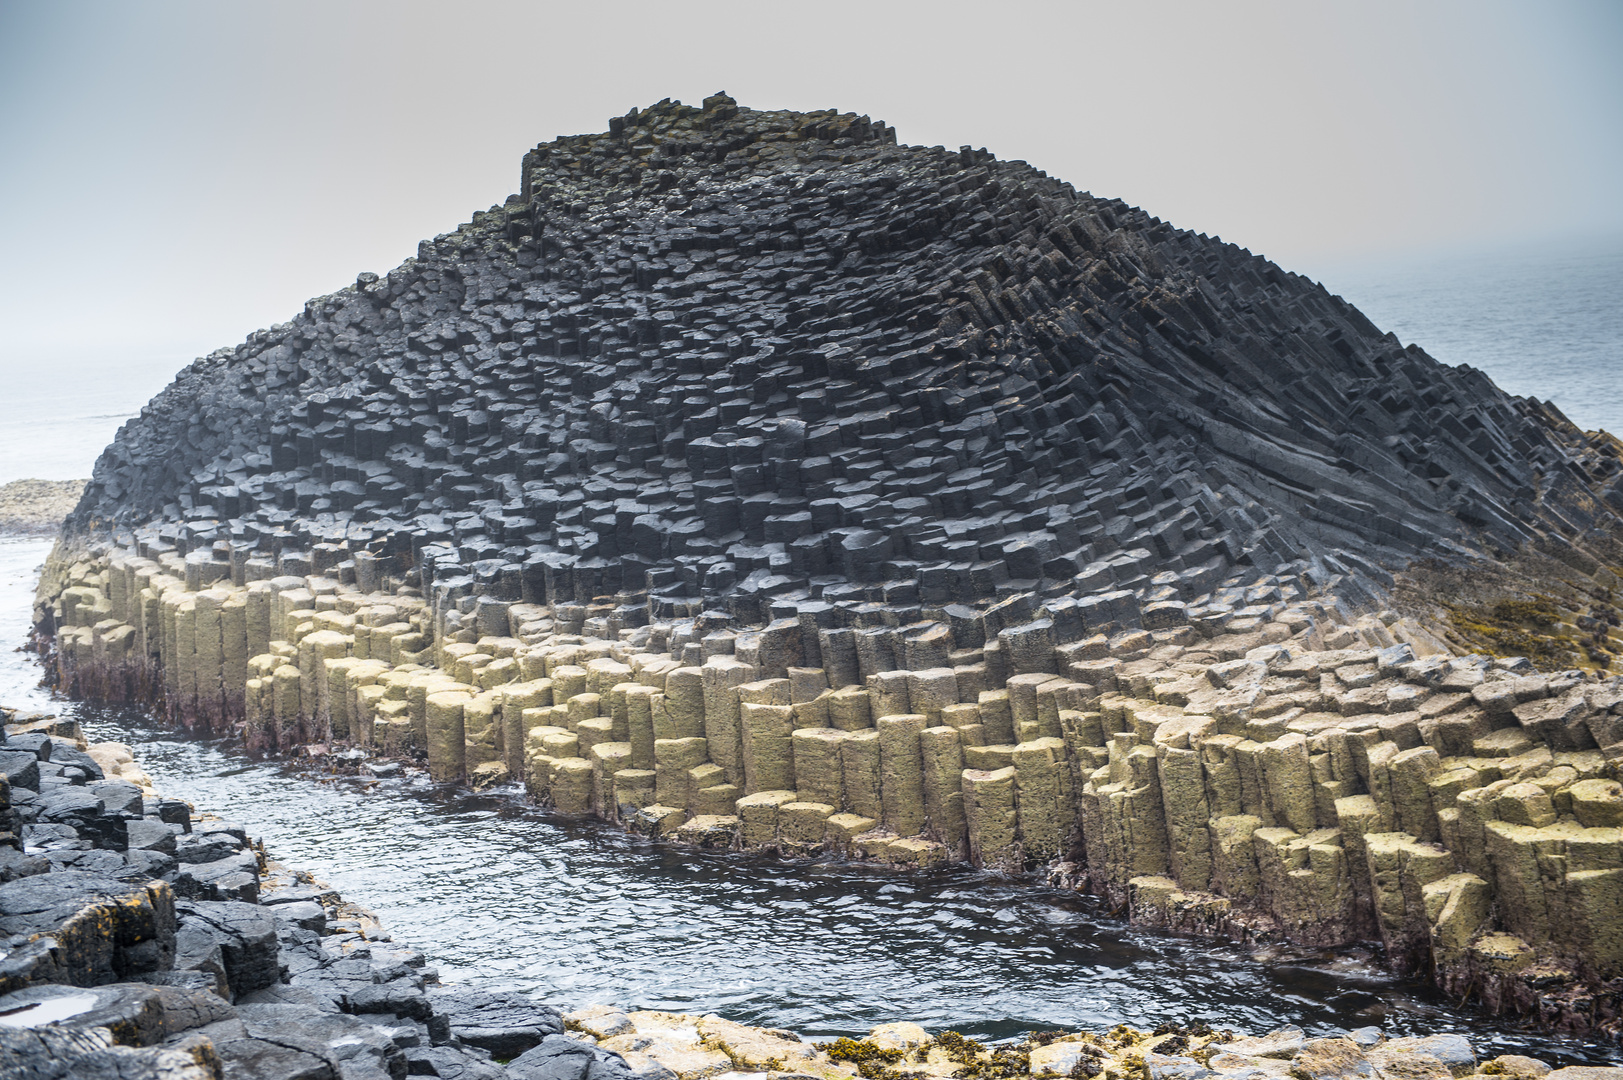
753	481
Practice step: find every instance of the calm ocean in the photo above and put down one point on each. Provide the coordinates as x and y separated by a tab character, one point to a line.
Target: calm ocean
1546	322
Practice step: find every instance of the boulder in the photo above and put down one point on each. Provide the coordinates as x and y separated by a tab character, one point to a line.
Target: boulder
235	940
506	1024
83	929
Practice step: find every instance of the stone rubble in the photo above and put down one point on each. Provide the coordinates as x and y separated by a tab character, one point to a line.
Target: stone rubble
753	481
138	942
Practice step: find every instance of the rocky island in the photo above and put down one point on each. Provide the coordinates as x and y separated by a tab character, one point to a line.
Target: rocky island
37	507
756	482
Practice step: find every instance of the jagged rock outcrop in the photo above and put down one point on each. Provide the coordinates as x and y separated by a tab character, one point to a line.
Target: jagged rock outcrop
752	480
165	949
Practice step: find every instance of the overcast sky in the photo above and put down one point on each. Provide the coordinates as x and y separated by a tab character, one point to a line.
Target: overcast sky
175	175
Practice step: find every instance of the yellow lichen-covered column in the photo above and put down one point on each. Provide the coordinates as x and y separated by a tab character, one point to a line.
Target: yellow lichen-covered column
334	694
289	708
607	759
1288	777
901	772
210	654
572	785
516	699
234	652
997	717
315	649
1183	795
640	725
673	760
1234	857
989	806
1023	713
849	709
930	691
818	774
942	763
480	723
633	790
186	654
1046	810
887	690
758	817
722	675
859	773
1400	867
260	602
768	730
446	736
684	704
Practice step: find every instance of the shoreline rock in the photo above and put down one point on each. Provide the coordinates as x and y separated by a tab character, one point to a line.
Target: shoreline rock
106	969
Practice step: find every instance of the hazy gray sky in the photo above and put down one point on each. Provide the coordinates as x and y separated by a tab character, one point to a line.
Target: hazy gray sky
175	175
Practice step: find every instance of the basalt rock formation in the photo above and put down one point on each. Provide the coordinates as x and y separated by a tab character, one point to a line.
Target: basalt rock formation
167	948
750	479
711	332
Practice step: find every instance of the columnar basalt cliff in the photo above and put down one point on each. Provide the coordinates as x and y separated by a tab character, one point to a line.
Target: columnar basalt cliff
750	479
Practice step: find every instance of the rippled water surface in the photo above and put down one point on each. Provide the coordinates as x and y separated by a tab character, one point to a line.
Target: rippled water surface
501	894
